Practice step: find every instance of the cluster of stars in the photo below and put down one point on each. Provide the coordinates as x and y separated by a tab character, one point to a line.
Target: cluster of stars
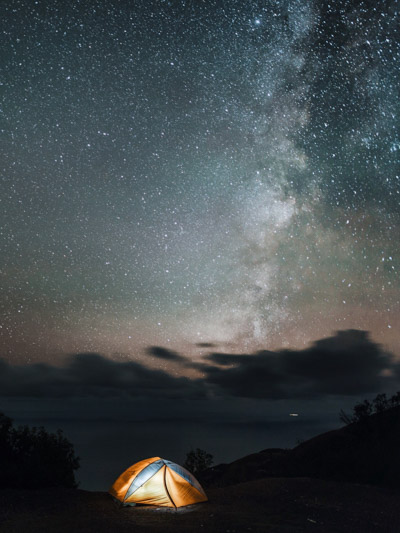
224	172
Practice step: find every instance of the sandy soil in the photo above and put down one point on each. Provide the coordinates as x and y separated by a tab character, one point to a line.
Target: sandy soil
264	505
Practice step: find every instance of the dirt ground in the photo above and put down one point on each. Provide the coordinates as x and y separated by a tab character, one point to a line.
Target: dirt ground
265	505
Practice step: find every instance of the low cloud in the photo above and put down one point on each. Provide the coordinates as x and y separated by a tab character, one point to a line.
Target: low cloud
90	374
348	363
164	353
205	345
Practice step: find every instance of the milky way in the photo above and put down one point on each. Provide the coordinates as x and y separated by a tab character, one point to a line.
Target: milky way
188	172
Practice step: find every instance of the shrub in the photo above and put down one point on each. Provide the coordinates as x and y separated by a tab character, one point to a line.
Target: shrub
198	460
363	410
34	458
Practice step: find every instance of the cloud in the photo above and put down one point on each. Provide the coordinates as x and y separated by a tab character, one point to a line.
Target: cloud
164	353
205	345
348	363
90	374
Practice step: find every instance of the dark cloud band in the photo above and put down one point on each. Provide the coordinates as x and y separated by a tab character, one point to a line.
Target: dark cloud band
348	363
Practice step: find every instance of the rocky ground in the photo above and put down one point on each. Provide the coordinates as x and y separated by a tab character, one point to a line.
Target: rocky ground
288	505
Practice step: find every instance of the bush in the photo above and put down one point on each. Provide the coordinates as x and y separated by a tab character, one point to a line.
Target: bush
34	458
198	460
363	410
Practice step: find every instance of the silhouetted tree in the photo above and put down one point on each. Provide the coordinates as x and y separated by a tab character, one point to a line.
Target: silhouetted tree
363	410
345	418
381	403
395	400
34	458
198	460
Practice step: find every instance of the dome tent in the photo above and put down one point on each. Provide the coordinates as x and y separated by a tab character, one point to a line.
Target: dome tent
156	481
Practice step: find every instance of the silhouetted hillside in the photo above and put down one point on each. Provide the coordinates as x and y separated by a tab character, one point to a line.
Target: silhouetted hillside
362	452
285	498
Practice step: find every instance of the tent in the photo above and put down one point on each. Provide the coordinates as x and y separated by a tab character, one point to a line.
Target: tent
156	481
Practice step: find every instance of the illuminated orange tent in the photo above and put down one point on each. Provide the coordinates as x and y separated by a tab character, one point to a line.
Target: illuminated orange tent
156	481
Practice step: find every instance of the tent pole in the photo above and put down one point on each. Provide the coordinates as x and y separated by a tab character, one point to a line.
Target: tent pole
166	488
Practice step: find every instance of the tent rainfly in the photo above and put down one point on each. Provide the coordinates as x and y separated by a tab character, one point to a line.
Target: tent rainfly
156	481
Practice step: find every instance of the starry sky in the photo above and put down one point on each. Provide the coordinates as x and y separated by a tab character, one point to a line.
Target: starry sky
186	172
187	181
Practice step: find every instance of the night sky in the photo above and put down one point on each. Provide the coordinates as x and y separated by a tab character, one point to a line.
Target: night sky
200	204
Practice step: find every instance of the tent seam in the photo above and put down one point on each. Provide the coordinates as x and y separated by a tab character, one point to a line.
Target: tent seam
166	488
133	480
